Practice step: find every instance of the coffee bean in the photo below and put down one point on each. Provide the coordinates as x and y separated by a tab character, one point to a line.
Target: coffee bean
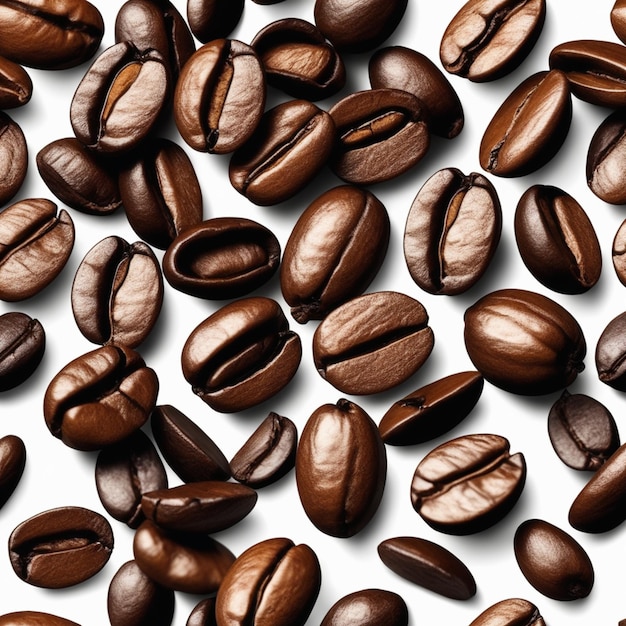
618	253
13	157
341	468
552	561
428	565
60	547
213	19
334	251
12	463
203	614
452	231
524	342
510	612
618	19
34	618
22	346
369	607
372	342
610	350
16	86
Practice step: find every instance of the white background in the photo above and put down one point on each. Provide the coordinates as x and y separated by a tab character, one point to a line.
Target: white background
56	475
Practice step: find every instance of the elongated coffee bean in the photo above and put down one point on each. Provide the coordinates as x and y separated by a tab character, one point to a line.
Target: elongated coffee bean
369	607
13	157
16	86
22	346
510	612
610	351
12	463
34	618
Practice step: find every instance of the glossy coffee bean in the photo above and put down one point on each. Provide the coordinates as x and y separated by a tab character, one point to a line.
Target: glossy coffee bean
203	614
467	484
428	565
16	86
334	251
610	351
452	231
372	342
618	253
22	346
60	547
369	607
524	342
510	612
13	157
618	19
289	576
552	561
213	19
12	463
34	618
341	468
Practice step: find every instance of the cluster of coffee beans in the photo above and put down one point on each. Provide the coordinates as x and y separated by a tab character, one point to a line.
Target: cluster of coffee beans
311	312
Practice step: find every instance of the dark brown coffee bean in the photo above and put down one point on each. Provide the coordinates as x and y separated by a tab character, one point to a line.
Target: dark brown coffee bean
124	472
12	463
510	612
582	431
117	292
486	40
468	484
618	253
13	157
552	561
432	410
524	342
618	19
428	565
22	346
291	145
181	561
34	618
452	231
213	19
372	342
51	35
100	398
220	96
334	251
610	351
369	607
60	547
341	468
381	133
272	582
203	614
241	355
222	258
268	454
16	86
530	126
556	240
36	244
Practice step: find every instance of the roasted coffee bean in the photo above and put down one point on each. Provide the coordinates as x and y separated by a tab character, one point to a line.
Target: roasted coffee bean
213	19
341	468
334	251
161	193
452	231
298	60
12	463
50	35
510	612
34	618
432	410
524	342
486	40
610	351
556	240
268	454
188	450
467	484
222	258
618	253
372	342
618	19
381	133
60	547
369	607
120	98
117	292
13	157
203	614
241	355
582	431
552	561
272	582
100	398
529	128
36	244
428	565
134	599
124	472
220	96
185	562
22	346
292	143
16	86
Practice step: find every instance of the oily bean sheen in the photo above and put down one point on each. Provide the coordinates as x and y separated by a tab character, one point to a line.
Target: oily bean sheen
203	614
610	352
452	231
432	410
213	19
428	565
13	157
556	240
16	86
582	431
510	612
34	618
12	463
60	547
369	607
100	398
619	253
272	582
524	342
552	561
618	19
241	355
372	342
22	346
381	133
222	258
334	251
468	484
486	40
341	468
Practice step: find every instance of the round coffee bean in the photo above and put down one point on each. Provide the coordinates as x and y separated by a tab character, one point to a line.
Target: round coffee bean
22	346
13	157
369	607
12	463
618	19
213	19
16	86
510	612
34	618
610	351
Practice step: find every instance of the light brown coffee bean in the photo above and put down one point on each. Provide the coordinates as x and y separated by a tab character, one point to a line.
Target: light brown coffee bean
618	253
16	86
34	618
510	612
